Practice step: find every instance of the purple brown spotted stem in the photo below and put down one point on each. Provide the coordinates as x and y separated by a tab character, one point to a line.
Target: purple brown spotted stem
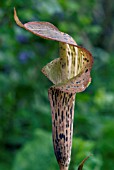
70	74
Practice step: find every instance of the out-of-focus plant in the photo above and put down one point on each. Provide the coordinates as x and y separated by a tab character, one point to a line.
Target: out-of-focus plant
30	156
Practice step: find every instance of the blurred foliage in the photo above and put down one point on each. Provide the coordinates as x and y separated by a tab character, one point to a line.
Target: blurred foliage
25	119
37	154
30	157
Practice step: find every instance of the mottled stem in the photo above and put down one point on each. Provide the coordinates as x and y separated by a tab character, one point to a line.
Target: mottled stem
62	109
63	168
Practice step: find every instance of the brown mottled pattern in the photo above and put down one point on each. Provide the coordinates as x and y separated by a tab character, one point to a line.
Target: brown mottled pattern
77	84
48	31
72	60
71	74
71	70
62	109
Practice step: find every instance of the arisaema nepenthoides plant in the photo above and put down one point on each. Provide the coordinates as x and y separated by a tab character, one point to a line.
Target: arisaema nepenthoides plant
70	74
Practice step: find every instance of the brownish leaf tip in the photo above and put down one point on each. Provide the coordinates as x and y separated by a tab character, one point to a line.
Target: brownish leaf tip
80	167
17	19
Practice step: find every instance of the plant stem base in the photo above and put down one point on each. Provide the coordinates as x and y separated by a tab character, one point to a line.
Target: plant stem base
63	168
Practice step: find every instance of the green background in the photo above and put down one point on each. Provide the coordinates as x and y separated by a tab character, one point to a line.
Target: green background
25	118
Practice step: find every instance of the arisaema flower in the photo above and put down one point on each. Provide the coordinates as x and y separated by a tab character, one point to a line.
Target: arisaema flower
70	74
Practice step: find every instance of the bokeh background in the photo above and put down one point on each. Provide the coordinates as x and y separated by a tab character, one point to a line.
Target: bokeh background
25	118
